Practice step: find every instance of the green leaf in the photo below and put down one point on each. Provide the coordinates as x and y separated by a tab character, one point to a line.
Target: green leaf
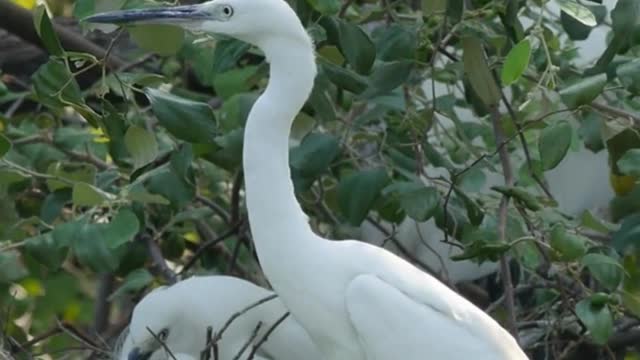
597	318
344	78
187	120
122	228
135	280
357	47
325	7
434	7
625	16
629	163
571	247
315	154
88	195
397	42
478	72
357	193
139	194
46	251
234	81
420	204
45	31
5	145
11	267
520	195
553	144
516	62
584	91
575	29
631	286
579	12
604	268
590	221
71	172
142	146
629	76
192	214
388	77
174	181
164	40
628	234
55	85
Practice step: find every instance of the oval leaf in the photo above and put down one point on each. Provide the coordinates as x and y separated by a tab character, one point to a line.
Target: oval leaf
597	318
161	39
516	62
579	12
142	146
570	246
604	268
5	145
45	31
584	91
554	143
478	72
357	47
629	163
89	195
187	120
358	192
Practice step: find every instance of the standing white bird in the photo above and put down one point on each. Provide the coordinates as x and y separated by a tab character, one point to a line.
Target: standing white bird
355	300
180	314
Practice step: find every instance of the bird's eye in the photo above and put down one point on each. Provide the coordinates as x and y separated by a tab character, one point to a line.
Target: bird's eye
162	335
227	10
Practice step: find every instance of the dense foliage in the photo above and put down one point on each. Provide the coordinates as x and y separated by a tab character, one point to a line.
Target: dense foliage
105	172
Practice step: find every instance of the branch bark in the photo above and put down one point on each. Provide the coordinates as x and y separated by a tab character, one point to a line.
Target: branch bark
19	21
505	271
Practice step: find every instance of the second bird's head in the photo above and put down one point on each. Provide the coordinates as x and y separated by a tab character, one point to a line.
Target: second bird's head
257	22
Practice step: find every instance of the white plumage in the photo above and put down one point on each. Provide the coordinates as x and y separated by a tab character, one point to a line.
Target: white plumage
184	310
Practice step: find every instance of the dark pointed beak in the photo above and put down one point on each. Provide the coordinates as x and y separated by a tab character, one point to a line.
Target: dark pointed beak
158	15
136	354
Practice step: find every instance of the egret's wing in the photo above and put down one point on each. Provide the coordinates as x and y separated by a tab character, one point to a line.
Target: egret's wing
392	325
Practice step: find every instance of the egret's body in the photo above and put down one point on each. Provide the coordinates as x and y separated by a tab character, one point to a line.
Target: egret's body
182	312
356	301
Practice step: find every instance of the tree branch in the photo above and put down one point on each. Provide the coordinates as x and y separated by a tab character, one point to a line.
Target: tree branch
19	21
505	271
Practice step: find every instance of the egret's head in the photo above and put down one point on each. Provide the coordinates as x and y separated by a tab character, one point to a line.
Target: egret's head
252	21
155	319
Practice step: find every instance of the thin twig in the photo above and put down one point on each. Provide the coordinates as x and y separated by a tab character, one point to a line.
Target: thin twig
158	259
244	347
266	335
224	215
164	345
505	271
213	241
236	315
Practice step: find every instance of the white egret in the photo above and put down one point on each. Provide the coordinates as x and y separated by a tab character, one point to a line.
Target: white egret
180	314
356	301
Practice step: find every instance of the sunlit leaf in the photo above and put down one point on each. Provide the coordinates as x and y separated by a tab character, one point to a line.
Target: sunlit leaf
516	62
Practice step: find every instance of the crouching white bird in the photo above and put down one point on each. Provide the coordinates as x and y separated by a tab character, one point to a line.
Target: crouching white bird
355	300
180	314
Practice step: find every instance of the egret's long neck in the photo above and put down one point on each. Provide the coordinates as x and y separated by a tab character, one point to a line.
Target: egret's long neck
275	216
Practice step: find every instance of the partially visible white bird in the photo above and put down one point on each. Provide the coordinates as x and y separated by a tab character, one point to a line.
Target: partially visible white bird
356	301
180	314
580	182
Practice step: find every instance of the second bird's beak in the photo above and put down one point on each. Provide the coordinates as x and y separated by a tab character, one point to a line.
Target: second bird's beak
136	354
158	15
